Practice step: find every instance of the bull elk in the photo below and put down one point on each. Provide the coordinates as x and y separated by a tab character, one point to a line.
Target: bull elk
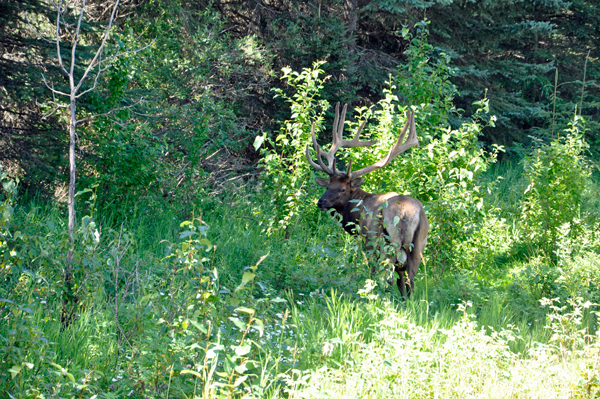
399	218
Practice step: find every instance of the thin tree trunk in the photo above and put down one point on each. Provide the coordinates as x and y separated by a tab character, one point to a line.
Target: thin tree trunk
68	299
72	169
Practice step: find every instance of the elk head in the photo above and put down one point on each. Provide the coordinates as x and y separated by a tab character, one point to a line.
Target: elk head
342	187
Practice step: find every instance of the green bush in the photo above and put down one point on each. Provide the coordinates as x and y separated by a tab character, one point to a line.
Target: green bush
284	161
442	172
557	176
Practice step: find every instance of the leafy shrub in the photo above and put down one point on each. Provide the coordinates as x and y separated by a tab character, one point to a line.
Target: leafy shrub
284	161
186	114
442	173
8	255
424	79
210	339
579	277
558	175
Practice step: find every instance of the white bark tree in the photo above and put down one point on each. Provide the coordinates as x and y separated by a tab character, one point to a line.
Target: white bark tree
77	87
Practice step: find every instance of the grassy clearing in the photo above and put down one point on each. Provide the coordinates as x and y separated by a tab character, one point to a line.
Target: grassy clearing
408	359
305	322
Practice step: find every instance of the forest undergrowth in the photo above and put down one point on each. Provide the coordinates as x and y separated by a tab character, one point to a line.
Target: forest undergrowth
252	291
216	307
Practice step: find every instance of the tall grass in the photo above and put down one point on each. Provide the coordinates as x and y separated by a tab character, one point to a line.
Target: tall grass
474	332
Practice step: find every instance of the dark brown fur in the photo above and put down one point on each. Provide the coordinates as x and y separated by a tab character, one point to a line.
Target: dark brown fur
373	215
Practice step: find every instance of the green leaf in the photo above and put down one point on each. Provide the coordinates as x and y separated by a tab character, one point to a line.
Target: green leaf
240	380
245	310
238	323
258	141
260	326
14	370
192	372
241	369
185	234
248	276
243	350
213	352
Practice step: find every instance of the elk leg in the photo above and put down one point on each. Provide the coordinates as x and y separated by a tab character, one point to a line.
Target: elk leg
400	283
413	262
402	263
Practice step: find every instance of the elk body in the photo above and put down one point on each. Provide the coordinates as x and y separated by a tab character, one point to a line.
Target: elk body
400	219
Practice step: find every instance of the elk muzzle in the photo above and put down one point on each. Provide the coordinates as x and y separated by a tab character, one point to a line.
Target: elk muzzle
321	204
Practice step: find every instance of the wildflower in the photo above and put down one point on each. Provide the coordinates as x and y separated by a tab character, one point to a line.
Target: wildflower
327	348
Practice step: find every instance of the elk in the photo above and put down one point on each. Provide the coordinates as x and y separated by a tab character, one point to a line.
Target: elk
400	219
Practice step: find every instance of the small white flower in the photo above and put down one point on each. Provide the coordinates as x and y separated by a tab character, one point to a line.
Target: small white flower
327	348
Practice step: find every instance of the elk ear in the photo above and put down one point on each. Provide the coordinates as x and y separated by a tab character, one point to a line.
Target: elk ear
322	182
357	182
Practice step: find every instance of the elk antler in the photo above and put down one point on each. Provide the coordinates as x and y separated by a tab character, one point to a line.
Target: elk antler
397	149
338	142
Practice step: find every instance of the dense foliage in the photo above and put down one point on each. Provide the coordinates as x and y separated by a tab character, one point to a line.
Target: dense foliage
219	58
201	266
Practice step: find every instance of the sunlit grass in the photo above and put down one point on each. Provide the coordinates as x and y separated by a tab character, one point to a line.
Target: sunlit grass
476	332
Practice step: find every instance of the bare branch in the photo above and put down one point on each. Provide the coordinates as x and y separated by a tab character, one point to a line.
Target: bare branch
110	61
58	18
101	48
52	89
34	29
113	57
58	106
95	82
74	48
110	112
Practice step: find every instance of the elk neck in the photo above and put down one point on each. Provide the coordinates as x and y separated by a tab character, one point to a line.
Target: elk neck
351	220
